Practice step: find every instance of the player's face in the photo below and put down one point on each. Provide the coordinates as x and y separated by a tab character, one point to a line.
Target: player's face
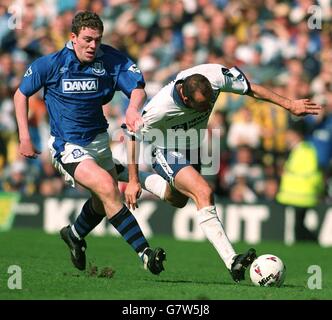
86	44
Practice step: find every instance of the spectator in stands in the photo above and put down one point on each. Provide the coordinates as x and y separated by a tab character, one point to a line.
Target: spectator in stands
301	185
244	131
245	169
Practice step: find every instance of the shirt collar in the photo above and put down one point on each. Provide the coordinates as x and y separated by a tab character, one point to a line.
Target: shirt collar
176	96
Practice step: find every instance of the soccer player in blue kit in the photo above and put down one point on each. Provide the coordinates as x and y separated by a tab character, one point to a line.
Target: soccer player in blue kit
77	81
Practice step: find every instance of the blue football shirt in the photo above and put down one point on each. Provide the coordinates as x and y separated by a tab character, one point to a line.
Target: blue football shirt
74	93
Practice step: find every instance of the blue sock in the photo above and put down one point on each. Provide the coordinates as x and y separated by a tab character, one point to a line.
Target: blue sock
86	221
127	226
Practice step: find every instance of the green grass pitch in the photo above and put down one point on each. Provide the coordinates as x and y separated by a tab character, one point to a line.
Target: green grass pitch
193	271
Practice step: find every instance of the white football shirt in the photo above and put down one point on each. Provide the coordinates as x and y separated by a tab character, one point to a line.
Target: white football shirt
168	123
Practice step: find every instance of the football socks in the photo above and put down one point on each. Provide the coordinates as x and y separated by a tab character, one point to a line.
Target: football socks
126	224
215	233
86	221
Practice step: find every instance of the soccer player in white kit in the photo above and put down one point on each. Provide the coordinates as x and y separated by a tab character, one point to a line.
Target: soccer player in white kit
173	120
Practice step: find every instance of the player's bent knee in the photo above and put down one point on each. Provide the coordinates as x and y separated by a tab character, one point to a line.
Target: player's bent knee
107	189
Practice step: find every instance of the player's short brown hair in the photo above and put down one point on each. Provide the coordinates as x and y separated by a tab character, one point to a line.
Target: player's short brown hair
86	19
197	82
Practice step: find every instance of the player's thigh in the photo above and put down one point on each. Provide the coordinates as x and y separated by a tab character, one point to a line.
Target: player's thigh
73	155
168	163
190	182
89	174
113	172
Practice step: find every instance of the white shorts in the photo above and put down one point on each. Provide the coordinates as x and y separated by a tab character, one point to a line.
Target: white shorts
98	150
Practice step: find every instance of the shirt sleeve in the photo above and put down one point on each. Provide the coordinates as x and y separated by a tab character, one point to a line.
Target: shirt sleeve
233	80
154	119
129	77
34	77
151	124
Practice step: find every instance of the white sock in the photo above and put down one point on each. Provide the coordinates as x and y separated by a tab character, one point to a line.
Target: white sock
150	181
215	233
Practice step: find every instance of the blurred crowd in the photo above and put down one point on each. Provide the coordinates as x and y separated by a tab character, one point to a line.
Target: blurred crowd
279	44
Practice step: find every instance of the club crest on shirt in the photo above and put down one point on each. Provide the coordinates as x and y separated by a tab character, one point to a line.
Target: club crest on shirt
77	153
98	68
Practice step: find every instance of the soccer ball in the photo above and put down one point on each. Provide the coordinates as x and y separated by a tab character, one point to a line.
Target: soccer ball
267	270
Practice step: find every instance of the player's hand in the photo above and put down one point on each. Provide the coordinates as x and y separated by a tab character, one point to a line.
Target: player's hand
134	120
27	149
132	194
304	107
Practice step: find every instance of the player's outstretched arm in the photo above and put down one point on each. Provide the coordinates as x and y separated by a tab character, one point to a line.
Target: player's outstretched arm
299	107
26	148
133	189
133	117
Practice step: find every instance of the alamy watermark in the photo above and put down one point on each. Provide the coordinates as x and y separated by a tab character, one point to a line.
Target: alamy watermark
16	14
196	146
315	280
14	280
316	17
318	13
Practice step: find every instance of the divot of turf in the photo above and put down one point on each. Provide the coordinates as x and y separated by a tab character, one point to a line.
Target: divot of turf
105	272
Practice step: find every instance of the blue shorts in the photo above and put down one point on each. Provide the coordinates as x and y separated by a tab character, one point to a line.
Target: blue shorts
167	163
